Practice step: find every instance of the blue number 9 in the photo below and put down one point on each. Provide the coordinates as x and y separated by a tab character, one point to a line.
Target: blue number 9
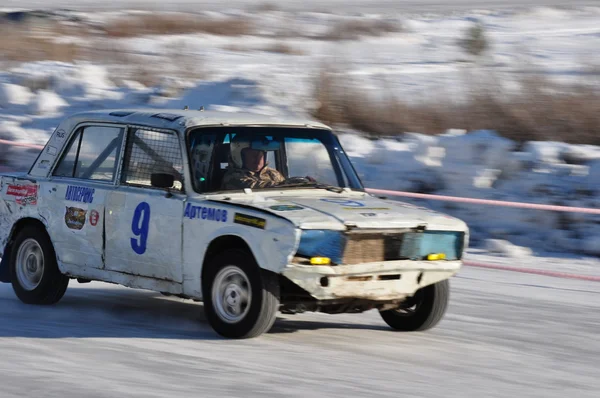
139	227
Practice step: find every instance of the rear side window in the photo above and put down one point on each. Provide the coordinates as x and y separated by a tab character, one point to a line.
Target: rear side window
92	154
201	156
152	152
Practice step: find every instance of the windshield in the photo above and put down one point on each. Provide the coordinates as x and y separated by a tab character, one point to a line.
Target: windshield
234	158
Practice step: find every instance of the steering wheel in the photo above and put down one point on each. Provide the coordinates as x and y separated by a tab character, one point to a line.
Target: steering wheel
299	180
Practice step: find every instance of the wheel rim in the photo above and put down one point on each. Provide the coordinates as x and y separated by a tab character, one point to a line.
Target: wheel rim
30	264
231	294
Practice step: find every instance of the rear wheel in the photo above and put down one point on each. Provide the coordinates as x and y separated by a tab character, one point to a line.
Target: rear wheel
241	300
34	271
422	311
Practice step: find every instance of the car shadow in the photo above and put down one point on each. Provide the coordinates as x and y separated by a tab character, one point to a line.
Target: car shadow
116	312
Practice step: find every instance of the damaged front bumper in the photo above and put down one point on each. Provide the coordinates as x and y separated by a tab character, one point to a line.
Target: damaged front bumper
381	281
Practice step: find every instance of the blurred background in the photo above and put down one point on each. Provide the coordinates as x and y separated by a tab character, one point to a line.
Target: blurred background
479	99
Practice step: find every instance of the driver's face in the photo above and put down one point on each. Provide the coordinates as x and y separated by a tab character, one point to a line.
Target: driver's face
254	160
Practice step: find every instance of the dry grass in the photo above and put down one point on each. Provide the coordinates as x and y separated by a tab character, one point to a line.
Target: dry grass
570	114
353	30
26	42
177	24
23	45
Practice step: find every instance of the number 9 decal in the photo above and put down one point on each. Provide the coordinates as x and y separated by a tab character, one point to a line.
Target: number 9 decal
139	227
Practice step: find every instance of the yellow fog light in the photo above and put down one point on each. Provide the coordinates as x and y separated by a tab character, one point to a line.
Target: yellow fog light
320	261
436	256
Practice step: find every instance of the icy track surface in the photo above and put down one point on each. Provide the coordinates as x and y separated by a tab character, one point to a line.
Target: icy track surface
505	335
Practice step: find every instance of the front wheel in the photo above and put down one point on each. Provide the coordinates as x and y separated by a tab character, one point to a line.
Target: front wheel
241	300
422	311
34	271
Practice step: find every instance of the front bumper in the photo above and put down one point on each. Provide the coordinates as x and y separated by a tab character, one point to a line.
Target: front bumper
382	281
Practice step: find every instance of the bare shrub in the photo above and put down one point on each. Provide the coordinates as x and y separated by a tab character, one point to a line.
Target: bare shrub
353	30
283	48
265	7
237	48
177	24
541	110
475	41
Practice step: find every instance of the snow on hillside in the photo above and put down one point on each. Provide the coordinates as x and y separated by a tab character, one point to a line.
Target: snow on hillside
240	73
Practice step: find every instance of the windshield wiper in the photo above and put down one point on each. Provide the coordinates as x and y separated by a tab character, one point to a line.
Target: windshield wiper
328	187
317	185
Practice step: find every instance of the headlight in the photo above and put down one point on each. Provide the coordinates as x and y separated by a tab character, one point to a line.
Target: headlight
322	243
417	245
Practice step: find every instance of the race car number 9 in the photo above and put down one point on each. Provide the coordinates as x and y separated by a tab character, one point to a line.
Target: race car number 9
139	227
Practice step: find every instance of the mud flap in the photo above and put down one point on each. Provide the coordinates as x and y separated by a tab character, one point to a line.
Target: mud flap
4	269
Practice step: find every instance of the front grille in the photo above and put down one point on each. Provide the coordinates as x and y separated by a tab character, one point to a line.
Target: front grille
366	248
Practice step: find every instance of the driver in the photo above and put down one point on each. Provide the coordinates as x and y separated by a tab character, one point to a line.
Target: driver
248	168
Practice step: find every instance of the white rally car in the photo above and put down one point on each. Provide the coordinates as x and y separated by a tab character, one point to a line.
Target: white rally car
146	199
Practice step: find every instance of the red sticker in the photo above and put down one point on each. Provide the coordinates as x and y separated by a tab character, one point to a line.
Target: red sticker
94	217
24	194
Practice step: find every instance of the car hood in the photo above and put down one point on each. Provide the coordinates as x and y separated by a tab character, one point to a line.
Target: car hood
316	209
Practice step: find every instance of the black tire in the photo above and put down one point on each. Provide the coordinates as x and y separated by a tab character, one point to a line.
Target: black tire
264	303
52	283
429	303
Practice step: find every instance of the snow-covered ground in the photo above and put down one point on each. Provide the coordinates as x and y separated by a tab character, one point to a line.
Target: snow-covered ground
421	60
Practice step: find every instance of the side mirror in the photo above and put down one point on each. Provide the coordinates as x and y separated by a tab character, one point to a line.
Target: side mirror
162	180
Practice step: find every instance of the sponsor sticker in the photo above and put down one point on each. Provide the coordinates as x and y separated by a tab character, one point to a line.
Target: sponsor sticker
366	208
94	217
60	134
24	194
75	217
80	194
52	150
345	202
250	221
286	207
44	164
368	214
205	213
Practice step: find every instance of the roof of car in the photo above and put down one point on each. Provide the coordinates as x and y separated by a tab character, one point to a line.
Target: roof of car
176	118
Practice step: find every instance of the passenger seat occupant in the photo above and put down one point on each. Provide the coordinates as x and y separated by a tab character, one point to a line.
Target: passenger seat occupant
248	167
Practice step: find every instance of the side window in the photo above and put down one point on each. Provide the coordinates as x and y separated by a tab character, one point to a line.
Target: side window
92	154
66	166
152	152
201	151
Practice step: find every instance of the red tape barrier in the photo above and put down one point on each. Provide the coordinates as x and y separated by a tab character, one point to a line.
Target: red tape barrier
534	271
21	144
521	205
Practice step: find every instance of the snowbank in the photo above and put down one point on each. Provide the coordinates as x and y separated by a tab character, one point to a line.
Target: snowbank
13	94
481	164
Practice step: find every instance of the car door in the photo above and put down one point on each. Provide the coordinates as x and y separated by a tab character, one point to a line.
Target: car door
144	223
77	189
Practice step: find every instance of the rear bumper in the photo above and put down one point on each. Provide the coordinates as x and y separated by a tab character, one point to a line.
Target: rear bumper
372	281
